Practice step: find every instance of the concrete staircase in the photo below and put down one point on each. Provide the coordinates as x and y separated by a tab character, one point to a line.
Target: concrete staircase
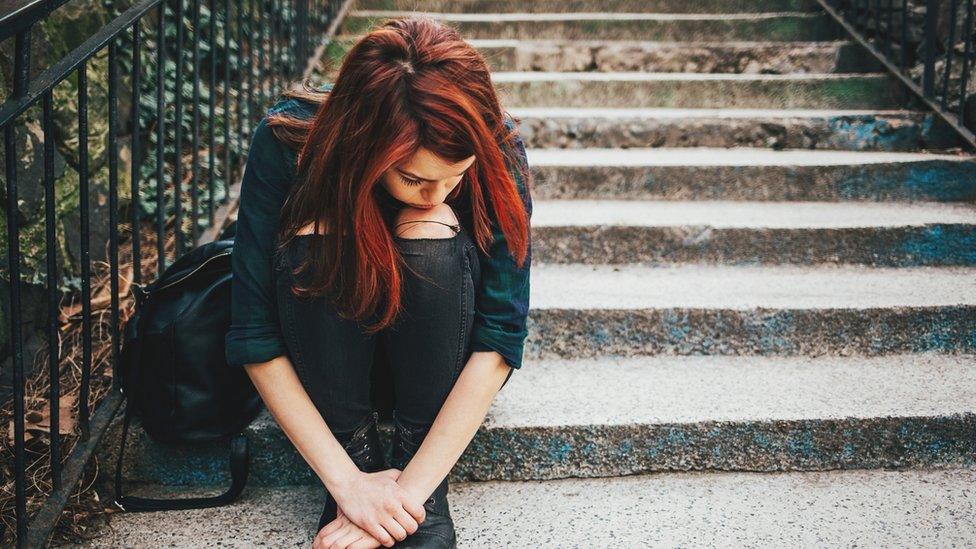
748	259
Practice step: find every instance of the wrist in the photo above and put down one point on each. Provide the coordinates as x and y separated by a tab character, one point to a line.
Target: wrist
339	481
417	492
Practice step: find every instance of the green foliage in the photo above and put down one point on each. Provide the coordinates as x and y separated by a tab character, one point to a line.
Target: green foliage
69	26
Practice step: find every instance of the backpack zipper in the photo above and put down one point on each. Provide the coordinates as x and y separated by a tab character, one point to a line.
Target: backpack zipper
191	273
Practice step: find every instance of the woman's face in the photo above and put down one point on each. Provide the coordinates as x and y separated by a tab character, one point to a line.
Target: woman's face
424	180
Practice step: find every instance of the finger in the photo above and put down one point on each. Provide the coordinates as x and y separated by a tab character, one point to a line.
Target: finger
381	535
416	510
334	525
319	541
366	542
348	539
406	521
394	528
393	472
329	539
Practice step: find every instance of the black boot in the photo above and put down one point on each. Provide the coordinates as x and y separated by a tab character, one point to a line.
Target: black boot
364	448
437	530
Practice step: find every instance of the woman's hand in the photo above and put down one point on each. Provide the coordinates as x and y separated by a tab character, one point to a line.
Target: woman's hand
376	505
342	533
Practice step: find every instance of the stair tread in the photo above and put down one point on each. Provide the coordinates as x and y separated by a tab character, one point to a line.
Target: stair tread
660	390
543	6
742	214
643	76
733	156
833	508
694	389
584	16
645	43
514	42
748	287
652	112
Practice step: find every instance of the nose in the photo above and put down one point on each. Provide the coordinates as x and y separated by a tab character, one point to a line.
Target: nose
435	193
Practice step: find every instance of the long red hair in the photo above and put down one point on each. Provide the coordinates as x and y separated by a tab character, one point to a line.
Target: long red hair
409	83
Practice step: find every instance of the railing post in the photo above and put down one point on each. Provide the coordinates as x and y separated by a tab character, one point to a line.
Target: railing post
21	82
968	31
929	37
301	34
923	86
248	80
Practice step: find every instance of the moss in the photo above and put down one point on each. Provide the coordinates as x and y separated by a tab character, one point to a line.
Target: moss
335	52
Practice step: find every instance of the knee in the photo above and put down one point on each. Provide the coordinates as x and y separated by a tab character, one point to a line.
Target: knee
425	223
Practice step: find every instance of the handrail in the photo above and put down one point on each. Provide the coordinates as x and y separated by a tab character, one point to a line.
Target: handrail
926	91
247	74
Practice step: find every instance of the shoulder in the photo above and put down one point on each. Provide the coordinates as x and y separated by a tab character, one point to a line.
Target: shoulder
291	106
266	148
514	149
296	107
514	131
509	120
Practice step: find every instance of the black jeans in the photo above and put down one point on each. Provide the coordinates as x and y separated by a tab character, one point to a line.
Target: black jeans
427	346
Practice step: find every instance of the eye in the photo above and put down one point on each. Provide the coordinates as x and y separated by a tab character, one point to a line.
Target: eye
411	182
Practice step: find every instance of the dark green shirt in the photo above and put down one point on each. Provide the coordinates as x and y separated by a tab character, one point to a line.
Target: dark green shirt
502	302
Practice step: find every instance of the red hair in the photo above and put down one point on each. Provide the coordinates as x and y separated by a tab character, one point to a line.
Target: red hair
409	83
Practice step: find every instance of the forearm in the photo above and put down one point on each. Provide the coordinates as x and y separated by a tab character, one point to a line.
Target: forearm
456	423
290	405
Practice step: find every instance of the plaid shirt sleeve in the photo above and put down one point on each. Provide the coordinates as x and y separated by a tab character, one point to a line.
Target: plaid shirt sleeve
502	305
254	335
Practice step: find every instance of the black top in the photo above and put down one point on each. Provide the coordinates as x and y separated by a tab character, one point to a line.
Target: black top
501	305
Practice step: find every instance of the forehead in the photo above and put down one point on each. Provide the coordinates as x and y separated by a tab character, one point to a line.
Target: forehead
425	164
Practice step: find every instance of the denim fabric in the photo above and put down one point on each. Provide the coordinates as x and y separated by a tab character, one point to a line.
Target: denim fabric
427	345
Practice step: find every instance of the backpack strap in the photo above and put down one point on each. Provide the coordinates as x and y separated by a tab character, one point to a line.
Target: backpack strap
239	452
239	457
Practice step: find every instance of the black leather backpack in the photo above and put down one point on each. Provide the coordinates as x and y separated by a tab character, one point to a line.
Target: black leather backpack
174	374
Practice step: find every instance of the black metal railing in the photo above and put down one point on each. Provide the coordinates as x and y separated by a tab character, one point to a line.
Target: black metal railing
927	44
242	53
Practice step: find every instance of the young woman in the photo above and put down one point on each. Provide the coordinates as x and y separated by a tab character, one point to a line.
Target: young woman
390	209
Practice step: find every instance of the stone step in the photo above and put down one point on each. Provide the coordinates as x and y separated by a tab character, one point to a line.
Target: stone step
630	55
778	26
891	131
667	232
700	57
595	310
569	6
693	90
750	174
618	416
817	509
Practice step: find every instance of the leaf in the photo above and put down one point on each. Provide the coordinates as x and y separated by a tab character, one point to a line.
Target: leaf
37	418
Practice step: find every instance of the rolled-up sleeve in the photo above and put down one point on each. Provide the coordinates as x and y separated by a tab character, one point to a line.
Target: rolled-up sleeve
502	305
254	335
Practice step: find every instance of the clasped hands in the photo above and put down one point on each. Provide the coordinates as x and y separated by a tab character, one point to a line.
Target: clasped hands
373	510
